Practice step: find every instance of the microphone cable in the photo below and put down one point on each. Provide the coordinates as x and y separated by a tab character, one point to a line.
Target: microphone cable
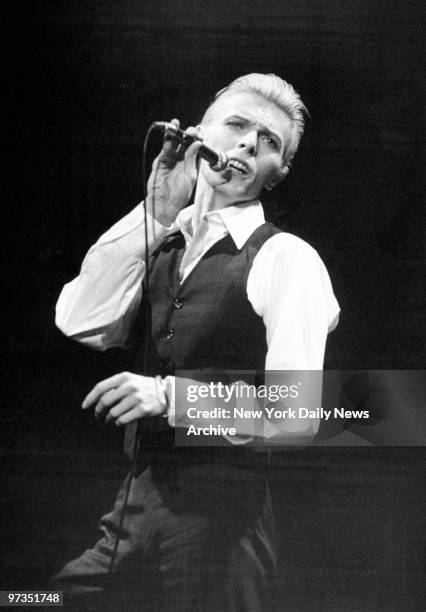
145	284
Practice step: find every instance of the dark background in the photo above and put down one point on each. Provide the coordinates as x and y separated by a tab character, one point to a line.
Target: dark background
83	82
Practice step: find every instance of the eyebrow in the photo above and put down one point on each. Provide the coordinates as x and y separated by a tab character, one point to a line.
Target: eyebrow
264	129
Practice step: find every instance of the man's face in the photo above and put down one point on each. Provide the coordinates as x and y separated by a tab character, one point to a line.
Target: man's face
255	134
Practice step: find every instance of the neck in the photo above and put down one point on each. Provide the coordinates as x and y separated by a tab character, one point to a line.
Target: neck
207	199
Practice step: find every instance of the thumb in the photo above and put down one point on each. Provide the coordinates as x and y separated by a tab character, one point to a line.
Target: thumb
190	165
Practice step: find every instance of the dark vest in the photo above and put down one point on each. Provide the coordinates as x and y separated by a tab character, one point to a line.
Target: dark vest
207	321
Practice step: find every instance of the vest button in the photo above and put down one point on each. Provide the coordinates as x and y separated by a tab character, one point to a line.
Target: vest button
177	304
170	333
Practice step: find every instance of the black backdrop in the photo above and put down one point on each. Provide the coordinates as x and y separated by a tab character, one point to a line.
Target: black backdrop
86	80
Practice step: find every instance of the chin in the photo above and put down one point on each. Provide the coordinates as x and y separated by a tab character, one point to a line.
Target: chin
215	179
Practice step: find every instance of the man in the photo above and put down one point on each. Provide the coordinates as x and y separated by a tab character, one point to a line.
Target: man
227	291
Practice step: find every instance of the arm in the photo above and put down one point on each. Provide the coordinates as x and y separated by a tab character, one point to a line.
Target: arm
98	307
290	289
298	307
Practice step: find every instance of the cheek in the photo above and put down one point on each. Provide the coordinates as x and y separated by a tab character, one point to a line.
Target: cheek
268	169
264	171
219	139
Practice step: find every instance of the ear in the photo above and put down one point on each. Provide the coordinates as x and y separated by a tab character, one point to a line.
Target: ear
277	178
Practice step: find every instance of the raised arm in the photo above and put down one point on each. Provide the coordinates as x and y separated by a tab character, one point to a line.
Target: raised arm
98	307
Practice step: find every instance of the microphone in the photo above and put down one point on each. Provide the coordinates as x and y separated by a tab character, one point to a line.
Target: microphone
217	159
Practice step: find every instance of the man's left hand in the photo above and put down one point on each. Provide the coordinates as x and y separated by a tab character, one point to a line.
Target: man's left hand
124	398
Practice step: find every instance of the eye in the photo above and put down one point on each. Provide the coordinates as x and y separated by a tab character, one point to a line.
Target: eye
270	141
235	123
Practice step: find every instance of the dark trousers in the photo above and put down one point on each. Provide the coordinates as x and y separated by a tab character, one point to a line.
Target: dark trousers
196	536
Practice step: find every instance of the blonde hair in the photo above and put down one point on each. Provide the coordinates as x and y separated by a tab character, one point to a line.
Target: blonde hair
276	90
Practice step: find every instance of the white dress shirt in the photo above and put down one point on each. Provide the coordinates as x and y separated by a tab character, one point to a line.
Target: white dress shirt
288	284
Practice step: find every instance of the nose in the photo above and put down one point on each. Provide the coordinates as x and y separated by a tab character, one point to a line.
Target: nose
248	142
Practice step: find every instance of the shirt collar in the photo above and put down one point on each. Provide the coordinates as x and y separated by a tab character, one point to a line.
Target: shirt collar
240	220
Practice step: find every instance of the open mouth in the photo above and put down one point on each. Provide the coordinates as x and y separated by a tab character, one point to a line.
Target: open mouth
238	165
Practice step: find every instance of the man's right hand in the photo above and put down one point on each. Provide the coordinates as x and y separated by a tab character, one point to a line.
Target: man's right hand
172	178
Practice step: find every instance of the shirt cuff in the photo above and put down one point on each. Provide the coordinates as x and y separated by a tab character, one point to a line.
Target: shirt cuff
167	392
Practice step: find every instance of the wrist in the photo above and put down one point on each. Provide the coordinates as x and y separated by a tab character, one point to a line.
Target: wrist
161	395
166	395
162	212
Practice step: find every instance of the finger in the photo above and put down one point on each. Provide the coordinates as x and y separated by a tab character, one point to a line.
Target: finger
169	140
132	415
110	399
126	404
192	150
169	134
193	135
167	155
176	123
179	147
194	132
102	387
174	151
190	157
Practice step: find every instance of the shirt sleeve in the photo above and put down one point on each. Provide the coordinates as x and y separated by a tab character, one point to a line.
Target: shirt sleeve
289	287
98	307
